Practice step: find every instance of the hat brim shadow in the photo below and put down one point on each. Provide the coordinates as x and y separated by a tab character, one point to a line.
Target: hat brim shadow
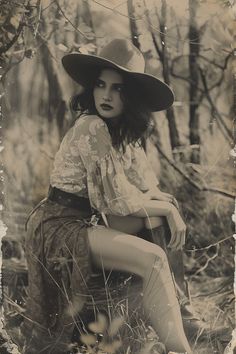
82	68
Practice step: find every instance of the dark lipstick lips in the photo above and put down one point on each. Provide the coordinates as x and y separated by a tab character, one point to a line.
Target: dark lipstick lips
106	106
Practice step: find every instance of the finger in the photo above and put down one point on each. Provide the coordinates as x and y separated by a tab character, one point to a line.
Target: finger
176	204
168	195
173	201
162	198
176	243
182	240
179	244
179	240
172	240
170	199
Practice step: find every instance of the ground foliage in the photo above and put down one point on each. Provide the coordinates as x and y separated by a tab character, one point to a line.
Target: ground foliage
26	26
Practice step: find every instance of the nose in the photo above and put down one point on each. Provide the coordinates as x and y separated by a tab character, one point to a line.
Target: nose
107	94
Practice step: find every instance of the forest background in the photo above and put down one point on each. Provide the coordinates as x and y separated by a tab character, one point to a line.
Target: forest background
190	45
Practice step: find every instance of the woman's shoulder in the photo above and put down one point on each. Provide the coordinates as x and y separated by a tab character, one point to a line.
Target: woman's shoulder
90	123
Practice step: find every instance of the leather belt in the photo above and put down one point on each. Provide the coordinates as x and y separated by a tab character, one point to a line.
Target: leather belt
69	200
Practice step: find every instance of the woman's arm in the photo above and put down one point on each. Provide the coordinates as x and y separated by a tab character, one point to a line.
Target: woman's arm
157	194
109	190
141	174
152	208
151	216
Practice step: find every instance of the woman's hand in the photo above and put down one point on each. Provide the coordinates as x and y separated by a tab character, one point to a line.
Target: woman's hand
154	208
177	228
156	194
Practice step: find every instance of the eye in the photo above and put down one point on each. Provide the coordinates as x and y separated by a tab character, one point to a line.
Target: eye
119	88
99	83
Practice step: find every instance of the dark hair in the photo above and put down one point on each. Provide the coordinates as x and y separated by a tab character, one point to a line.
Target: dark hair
133	127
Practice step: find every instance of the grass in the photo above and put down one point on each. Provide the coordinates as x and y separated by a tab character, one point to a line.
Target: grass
123	330
32	145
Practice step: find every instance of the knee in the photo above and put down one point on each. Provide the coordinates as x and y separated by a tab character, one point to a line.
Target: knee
157	253
153	255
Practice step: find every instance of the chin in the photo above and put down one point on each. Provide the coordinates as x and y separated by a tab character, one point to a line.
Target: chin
107	115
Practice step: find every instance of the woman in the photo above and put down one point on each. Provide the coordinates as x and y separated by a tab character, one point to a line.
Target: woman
102	193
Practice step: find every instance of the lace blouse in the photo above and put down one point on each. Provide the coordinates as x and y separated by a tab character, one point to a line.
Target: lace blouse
88	165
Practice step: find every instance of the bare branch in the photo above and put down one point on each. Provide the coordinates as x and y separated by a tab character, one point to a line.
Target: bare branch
133	25
188	79
214	108
118	12
209	259
211	245
160	53
39	5
71	23
178	76
169	36
122	3
51	3
190	180
158	49
212	62
219	81
9	67
8	45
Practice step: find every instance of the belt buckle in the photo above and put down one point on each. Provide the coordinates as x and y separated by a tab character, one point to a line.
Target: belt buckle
94	220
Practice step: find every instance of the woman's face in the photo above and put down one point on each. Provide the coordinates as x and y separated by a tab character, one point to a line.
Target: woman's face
107	94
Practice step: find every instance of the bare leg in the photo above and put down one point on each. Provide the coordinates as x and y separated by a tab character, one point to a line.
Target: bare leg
175	257
114	249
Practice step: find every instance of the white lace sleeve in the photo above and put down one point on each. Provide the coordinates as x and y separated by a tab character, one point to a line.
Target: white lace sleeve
140	172
109	190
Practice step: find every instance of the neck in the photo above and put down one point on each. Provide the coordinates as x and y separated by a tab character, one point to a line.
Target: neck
112	122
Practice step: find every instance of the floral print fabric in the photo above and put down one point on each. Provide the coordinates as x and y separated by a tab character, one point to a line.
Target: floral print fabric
59	267
88	165
56	243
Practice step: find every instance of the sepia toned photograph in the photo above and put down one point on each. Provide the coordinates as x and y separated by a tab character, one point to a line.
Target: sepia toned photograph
117	174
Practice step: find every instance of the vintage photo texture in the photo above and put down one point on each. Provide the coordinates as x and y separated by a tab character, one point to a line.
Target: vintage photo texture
189	45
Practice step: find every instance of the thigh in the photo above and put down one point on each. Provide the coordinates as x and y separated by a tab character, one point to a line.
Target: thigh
132	224
127	224
113	249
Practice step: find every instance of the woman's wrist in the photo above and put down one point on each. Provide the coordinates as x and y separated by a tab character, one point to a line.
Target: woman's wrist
171	209
152	191
154	208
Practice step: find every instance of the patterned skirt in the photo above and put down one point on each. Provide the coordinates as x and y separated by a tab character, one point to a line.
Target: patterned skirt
59	268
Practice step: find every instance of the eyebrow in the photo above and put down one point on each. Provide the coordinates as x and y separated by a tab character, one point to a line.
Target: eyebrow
115	83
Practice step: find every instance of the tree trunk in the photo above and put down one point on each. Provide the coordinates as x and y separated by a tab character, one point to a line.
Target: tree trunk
30	104
132	24
77	21
194	38
173	131
56	105
86	14
163	55
16	94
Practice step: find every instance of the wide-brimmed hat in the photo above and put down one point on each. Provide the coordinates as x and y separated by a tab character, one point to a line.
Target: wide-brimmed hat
120	54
